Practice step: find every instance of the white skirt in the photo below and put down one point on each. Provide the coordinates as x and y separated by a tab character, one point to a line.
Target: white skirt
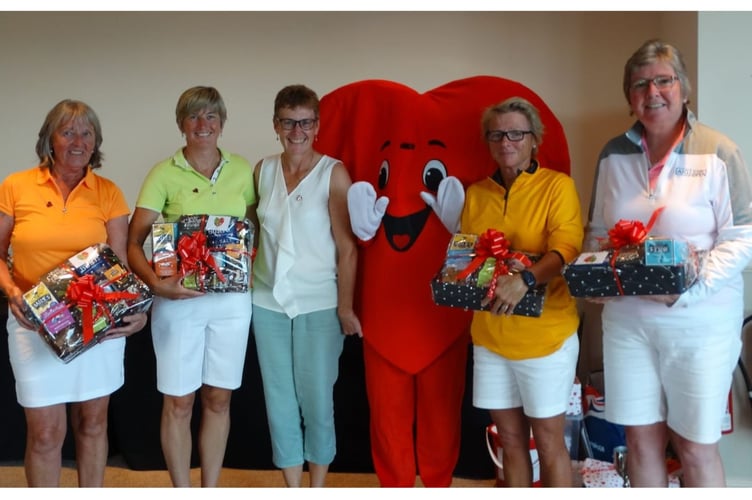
42	379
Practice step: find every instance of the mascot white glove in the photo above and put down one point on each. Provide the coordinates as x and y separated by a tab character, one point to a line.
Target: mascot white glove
447	203
366	211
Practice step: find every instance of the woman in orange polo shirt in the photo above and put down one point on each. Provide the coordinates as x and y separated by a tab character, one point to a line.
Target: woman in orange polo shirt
47	214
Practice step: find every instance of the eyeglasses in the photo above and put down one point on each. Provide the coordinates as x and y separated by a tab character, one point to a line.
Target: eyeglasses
289	124
660	82
512	135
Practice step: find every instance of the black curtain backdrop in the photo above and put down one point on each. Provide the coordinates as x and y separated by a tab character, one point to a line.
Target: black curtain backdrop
135	414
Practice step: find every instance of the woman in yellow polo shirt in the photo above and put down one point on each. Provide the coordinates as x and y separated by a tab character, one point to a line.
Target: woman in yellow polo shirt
524	366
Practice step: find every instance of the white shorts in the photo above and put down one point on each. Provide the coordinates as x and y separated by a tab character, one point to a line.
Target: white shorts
199	341
42	379
680	376
541	386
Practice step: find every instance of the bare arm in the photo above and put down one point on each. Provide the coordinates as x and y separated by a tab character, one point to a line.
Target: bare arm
11	290
510	289
117	237
347	250
251	213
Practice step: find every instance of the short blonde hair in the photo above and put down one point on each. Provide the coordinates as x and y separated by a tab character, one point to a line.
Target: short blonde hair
196	99
519	105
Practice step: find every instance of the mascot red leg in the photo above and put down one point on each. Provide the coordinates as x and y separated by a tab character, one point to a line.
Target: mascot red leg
410	156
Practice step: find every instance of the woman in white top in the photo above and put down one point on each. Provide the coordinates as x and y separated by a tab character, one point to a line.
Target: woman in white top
304	280
669	360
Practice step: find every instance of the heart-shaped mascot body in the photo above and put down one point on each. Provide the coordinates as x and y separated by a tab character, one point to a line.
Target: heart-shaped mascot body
404	143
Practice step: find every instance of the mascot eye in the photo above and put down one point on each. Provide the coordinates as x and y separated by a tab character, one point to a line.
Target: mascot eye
383	174
433	173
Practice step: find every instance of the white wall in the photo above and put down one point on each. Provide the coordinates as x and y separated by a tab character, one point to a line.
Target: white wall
132	66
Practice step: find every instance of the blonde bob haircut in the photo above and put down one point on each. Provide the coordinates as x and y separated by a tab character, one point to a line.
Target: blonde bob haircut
518	105
64	112
196	99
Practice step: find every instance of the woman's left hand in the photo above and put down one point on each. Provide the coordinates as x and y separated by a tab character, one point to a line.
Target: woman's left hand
669	300
133	323
350	323
509	291
601	300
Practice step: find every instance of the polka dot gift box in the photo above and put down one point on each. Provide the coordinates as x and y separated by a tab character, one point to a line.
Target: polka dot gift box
470	269
654	267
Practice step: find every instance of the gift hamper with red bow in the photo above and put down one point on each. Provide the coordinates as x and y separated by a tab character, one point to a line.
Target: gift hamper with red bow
211	252
634	263
79	301
469	273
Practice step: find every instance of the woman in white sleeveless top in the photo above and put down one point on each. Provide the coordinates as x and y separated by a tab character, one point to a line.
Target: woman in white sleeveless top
304	279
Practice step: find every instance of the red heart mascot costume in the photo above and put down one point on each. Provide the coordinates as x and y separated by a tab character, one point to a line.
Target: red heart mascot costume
410	156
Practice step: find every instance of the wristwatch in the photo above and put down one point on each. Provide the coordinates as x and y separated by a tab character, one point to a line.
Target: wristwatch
528	278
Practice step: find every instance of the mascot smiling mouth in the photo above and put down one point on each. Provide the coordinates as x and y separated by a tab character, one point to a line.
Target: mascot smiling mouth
402	232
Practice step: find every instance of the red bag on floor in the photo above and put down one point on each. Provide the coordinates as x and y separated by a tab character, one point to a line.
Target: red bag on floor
495	451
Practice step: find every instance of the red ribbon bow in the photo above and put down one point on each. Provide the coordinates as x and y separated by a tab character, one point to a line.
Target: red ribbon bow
195	256
625	233
85	293
494	244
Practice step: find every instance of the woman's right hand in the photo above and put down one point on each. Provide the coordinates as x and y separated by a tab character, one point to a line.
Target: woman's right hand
600	300
172	287
17	307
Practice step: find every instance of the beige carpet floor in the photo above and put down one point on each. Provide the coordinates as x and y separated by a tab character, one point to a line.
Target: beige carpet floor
12	476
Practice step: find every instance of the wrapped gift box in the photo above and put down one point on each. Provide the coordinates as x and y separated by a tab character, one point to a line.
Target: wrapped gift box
93	280
214	252
655	267
164	242
467	293
600	474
